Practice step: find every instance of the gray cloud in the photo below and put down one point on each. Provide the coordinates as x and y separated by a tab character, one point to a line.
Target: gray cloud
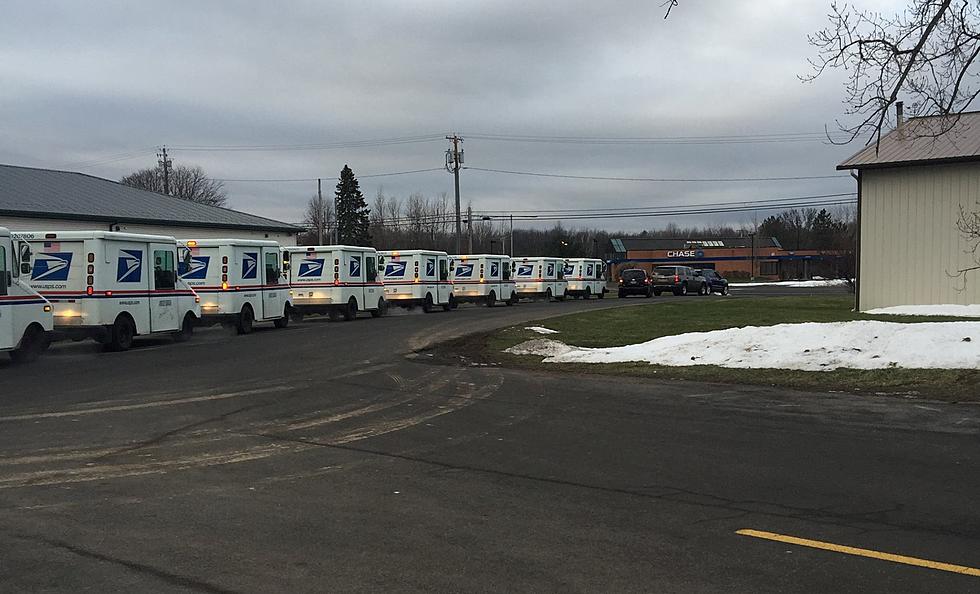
84	81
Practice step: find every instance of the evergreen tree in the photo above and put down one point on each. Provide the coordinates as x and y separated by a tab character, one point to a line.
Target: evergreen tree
353	214
825	230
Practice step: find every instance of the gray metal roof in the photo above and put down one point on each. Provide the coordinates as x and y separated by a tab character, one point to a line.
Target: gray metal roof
45	193
680	243
923	141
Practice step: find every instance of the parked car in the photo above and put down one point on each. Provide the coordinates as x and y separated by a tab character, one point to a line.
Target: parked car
679	280
634	281
716	282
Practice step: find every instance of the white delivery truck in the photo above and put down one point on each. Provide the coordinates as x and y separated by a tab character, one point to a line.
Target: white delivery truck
483	278
337	280
417	277
541	277
111	286
584	276
25	316
239	281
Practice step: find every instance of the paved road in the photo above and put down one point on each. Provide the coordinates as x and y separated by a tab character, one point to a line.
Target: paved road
320	458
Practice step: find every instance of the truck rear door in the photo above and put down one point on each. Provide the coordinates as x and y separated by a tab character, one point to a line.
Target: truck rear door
445	288
6	313
273	292
163	300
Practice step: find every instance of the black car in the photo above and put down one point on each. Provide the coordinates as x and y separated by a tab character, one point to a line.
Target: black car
716	282
634	281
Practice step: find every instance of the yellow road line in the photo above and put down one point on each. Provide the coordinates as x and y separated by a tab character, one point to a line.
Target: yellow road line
829	546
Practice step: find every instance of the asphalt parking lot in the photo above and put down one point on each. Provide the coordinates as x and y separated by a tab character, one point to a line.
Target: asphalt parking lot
335	457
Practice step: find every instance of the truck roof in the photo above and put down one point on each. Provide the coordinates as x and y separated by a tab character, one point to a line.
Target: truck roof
398	253
536	258
231	241
327	248
81	235
471	256
583	260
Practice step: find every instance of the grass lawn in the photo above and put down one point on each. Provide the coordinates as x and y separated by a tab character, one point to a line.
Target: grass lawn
622	326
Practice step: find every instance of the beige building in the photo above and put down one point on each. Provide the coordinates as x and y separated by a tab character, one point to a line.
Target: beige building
911	193
46	200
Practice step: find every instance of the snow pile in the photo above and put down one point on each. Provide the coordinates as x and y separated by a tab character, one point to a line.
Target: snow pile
964	311
809	347
836	282
541	330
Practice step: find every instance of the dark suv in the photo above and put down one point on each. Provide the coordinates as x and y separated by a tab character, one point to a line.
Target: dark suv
716	282
634	281
680	280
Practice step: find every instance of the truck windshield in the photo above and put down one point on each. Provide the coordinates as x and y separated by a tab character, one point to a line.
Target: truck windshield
3	270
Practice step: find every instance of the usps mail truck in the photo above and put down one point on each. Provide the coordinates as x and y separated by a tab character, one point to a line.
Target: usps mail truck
484	279
417	277
337	280
25	316
584	276
111	286
541	277
239	281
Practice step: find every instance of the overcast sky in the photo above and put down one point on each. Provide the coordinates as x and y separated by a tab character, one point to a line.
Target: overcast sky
85	82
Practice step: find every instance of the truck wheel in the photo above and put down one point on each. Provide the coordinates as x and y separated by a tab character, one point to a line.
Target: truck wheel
451	304
601	294
121	334
382	308
547	294
427	304
284	320
588	293
350	312
704	290
724	290
32	344
492	299
186	329
245	321
513	299
681	291
334	314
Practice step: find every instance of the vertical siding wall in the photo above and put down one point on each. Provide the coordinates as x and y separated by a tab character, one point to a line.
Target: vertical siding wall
909	242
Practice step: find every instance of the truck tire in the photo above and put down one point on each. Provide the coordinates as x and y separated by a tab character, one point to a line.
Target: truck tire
601	294
186	329
451	304
350	312
588	293
513	299
245	321
382	309
547	294
427	303
284	320
681	291
121	334
704	290
32	344
492	299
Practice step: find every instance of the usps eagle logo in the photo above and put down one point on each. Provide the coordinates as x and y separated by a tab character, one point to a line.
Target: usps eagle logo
551	269
430	268
310	268
568	269
494	269
464	270
51	266
525	270
395	269
197	269
129	267
355	266
250	264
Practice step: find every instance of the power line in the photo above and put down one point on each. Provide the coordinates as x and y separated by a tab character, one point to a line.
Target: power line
665	140
309	179
309	147
654	179
760	202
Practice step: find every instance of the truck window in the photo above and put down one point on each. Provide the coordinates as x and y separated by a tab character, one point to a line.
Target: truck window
272	268
664	271
443	270
372	269
3	270
506	272
164	273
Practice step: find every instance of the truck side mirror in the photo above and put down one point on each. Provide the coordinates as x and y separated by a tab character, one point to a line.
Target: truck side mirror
25	253
8	278
187	257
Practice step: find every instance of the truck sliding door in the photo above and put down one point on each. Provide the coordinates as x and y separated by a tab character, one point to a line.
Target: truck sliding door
163	301
444	288
6	313
273	292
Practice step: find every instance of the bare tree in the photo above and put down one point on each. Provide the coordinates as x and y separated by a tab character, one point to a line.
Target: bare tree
968	224
318	219
925	54
186	182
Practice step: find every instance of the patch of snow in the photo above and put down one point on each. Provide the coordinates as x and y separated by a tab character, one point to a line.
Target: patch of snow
965	311
810	347
542	347
836	282
541	330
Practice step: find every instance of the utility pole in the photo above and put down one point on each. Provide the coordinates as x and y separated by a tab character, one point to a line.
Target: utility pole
512	236
454	161
320	222
166	164
469	226
752	274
